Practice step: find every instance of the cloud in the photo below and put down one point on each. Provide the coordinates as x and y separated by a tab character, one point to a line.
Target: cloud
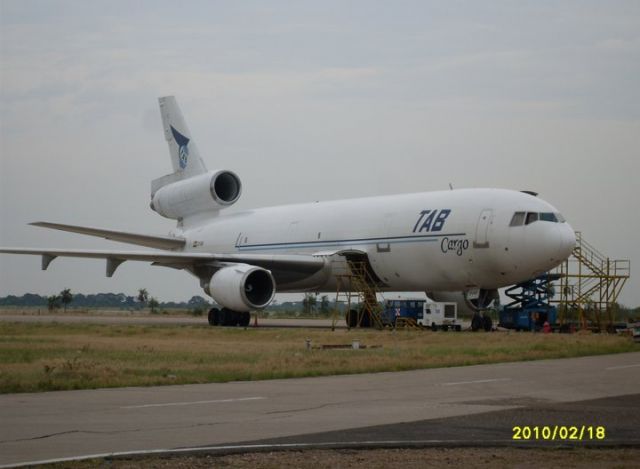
331	99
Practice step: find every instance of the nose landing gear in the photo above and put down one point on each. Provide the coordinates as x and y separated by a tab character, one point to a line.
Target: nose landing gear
481	321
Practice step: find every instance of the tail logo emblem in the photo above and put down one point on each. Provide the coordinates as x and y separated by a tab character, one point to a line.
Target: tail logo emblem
183	150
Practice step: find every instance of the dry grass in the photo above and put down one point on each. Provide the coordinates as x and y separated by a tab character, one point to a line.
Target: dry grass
43	357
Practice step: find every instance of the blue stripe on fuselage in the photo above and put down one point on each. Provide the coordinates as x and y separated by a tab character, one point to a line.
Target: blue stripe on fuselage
339	242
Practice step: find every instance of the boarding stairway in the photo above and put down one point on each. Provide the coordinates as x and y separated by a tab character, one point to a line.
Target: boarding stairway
357	289
590	284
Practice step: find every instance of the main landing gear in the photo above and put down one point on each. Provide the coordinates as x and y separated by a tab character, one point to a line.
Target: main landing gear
228	317
481	322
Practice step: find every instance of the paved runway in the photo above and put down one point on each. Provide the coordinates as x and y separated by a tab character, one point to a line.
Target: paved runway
146	319
452	405
618	418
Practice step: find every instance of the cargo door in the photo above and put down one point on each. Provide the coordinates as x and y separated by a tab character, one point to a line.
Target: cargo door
482	229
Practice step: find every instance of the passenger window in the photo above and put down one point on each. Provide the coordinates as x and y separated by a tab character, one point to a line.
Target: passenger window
548	216
518	219
531	217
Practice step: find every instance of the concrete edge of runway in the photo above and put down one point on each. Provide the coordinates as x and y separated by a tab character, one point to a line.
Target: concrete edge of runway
222	450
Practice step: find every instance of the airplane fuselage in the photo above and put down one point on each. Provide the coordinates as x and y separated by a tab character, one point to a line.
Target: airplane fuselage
444	240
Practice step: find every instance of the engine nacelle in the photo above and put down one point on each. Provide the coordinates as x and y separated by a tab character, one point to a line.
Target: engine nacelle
242	287
466	305
210	191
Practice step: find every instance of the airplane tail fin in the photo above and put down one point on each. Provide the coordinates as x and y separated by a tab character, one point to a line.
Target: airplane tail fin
185	157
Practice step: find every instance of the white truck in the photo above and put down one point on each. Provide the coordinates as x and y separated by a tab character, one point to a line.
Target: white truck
439	315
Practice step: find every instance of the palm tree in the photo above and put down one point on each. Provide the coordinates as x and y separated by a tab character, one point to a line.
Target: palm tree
143	296
153	304
66	297
309	303
324	305
52	302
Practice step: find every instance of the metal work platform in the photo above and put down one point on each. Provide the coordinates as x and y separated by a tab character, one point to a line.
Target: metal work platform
530	306
589	286
407	323
357	289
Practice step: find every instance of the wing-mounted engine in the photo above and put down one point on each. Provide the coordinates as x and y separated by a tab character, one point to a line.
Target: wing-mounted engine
211	191
242	287
466	304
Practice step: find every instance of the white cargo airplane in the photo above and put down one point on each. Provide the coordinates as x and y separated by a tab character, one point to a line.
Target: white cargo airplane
445	243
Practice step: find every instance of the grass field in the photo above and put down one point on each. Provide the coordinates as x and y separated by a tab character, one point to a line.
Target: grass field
45	357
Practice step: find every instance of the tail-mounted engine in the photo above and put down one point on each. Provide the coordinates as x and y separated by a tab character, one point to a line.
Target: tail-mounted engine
206	192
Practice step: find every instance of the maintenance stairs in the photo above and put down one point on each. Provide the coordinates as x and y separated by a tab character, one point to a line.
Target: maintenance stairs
590	284
407	323
356	288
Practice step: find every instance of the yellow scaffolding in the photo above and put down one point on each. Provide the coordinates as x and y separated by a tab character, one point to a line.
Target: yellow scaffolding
407	323
590	285
357	287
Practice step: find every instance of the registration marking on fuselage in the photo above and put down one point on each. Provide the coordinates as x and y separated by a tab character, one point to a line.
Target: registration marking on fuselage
347	242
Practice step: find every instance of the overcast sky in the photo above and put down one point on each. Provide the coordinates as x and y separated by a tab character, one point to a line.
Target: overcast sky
310	101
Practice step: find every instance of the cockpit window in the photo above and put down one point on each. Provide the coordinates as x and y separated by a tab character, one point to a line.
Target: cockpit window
526	218
518	219
548	216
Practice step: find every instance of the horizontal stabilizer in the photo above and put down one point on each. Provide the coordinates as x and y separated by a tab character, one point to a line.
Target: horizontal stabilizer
150	241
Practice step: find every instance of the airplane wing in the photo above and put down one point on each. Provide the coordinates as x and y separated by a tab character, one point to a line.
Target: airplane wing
298	263
150	241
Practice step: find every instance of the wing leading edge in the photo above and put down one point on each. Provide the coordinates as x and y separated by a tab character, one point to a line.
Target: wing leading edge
299	263
150	241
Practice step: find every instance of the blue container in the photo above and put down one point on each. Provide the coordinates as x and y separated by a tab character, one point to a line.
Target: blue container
412	308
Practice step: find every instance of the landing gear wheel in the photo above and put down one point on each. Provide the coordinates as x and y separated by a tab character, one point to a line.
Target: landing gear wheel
434	328
366	319
476	322
236	317
223	317
245	318
352	318
214	317
445	328
487	323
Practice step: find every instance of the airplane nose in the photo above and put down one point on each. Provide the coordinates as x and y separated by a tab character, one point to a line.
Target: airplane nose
567	240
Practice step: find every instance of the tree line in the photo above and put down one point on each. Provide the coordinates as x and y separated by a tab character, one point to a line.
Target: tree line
311	305
66	298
